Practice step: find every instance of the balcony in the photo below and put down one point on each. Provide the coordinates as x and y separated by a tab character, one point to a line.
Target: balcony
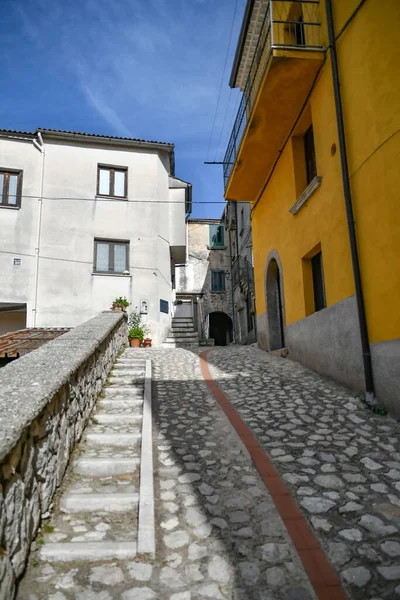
243	275
286	59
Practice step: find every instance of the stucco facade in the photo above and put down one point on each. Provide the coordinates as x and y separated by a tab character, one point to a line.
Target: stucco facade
52	234
296	218
209	294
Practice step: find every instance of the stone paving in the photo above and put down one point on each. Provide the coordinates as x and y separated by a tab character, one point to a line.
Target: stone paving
219	535
340	461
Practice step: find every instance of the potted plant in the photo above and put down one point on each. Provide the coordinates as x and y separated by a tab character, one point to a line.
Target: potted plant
136	335
137	330
120	303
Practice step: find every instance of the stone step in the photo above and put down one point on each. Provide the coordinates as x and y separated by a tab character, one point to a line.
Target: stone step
105	466
181	328
182	334
127	440
125	380
117	418
114	403
88	551
128	392
189	339
181	320
81	503
176	344
123	371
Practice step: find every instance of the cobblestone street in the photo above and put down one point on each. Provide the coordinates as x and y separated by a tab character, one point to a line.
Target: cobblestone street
219	533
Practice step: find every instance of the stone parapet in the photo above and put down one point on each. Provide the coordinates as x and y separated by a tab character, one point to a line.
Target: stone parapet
46	398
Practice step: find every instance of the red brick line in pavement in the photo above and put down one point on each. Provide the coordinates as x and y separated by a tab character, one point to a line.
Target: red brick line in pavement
320	572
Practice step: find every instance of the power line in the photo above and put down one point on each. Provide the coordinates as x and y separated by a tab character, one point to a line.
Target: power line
115	200
222	79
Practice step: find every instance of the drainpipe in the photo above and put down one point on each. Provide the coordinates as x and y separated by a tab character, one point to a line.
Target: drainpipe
366	353
41	149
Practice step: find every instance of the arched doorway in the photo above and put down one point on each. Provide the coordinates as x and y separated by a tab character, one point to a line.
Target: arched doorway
220	328
274	295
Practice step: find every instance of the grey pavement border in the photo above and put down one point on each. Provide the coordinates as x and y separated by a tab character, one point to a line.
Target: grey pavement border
146	525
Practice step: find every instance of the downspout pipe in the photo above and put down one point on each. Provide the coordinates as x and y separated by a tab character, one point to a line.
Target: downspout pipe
40	147
366	352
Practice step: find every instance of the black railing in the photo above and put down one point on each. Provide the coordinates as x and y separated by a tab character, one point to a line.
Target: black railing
287	24
243	275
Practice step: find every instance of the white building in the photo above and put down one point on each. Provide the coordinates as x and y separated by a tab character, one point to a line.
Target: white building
84	219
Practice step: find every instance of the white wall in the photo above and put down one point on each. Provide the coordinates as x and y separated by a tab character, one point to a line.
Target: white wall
68	291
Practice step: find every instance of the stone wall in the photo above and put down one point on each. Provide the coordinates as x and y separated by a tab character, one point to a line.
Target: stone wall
46	398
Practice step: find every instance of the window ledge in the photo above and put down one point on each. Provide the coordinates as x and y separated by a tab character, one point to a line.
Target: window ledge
10	207
220	292
216	247
304	196
100	197
111	274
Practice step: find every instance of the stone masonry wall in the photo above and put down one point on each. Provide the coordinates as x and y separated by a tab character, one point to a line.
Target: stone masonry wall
46	398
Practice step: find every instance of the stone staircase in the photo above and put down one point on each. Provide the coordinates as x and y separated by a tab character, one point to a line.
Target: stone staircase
182	334
106	508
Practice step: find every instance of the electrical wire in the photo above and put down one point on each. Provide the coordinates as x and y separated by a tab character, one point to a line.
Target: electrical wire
114	200
222	79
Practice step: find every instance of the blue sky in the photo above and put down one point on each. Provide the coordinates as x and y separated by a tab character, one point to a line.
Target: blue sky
150	69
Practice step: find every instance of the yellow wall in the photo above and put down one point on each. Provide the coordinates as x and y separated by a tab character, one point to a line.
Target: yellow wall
370	78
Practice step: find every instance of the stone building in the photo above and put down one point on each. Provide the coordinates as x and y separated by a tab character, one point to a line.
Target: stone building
237	219
85	219
203	284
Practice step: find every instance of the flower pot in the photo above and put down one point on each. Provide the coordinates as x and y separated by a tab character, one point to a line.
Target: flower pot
147	342
135	342
117	307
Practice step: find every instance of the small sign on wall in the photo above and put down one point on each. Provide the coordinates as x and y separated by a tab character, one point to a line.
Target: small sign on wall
144	307
164	306
17	261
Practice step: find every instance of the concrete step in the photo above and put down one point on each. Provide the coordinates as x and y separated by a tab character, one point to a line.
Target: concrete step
125	440
185	340
97	467
126	380
112	404
175	344
174	333
180	320
129	392
127	370
85	551
117	418
81	503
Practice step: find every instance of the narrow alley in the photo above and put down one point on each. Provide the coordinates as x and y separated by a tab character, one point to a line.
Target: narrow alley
310	510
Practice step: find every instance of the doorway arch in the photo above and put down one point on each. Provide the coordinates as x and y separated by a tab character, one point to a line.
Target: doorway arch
220	328
274	302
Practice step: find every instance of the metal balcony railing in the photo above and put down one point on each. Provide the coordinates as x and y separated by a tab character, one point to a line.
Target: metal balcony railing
287	24
243	275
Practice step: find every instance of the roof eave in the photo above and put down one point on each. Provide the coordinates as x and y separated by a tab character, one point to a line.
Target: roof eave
106	140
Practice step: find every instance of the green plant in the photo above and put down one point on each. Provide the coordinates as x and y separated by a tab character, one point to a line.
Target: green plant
136	332
136	327
121	301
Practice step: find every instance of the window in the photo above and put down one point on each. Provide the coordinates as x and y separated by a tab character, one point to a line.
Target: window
309	153
112	181
111	256
216	235
318	282
217	281
299	31
10	188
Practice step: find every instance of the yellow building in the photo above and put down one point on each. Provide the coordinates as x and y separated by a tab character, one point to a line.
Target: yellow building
315	149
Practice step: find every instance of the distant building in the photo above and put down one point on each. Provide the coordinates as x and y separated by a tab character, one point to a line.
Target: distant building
315	149
237	218
85	219
203	283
